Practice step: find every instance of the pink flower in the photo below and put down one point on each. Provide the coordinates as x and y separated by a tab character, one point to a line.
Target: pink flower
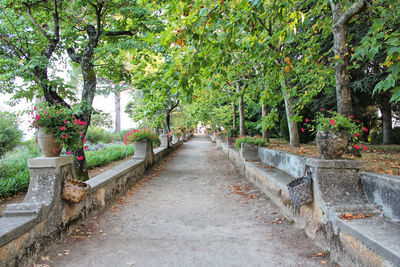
79	158
54	150
356	135
306	120
365	147
357	146
68	152
84	140
85	147
66	136
76	121
35	108
50	116
58	112
332	122
302	129
61	128
65	121
37	117
45	112
365	129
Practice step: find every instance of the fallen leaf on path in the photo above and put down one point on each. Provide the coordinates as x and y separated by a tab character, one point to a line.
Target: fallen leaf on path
323	262
45	258
320	254
131	263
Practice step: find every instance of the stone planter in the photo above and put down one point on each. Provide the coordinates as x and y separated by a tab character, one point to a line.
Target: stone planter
331	144
230	142
249	151
164	140
301	191
144	151
48	144
213	137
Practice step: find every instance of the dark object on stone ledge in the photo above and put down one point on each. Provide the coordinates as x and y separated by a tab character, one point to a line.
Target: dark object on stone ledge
300	191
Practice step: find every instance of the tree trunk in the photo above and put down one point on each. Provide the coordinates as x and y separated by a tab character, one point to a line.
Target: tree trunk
292	125
234	124
88	92
340	22
117	112
242	129
264	111
387	123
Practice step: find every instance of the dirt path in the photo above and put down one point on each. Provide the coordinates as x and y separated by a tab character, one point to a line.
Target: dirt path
197	211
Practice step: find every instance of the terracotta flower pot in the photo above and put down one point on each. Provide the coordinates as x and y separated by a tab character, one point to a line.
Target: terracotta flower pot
332	144
48	144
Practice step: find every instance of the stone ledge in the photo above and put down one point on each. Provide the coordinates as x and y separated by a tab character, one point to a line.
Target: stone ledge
383	190
112	174
46	162
12	227
377	233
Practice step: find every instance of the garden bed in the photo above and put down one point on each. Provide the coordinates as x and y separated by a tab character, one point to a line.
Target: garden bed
378	158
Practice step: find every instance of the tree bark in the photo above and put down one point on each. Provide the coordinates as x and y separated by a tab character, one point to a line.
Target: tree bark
234	124
292	125
242	129
340	47
264	111
117	112
387	123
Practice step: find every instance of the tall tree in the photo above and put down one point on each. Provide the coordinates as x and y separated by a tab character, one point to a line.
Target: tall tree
341	19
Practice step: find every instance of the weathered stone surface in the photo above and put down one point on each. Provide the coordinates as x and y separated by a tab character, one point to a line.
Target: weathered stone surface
164	140
144	151
249	151
383	190
292	164
331	144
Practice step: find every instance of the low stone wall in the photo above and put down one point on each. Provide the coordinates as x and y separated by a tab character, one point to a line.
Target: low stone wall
26	228
337	188
383	190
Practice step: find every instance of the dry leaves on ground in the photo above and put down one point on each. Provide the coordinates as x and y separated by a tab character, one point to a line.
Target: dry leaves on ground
348	216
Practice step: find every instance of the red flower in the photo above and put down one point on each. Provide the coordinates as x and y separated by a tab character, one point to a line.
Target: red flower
332	122
68	152
356	135
365	129
58	112
365	147
54	150
79	158
357	146
37	117
302	129
85	147
45	112
65	121
306	120
34	108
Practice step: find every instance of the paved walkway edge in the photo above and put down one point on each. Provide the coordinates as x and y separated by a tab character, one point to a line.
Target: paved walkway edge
371	241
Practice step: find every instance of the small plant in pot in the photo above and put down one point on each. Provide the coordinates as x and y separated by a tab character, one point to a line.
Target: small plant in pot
138	135
58	127
335	133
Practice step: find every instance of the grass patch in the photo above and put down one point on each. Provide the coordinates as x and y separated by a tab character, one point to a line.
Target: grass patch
107	155
14	172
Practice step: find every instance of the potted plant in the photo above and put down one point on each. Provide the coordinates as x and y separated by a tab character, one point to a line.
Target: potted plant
335	133
58	127
176	134
143	140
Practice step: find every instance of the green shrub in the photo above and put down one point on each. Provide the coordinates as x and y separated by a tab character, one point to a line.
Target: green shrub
10	135
107	155
97	135
14	173
258	141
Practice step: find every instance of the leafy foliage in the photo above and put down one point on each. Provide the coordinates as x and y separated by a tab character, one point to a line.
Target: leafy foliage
10	135
141	135
255	140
